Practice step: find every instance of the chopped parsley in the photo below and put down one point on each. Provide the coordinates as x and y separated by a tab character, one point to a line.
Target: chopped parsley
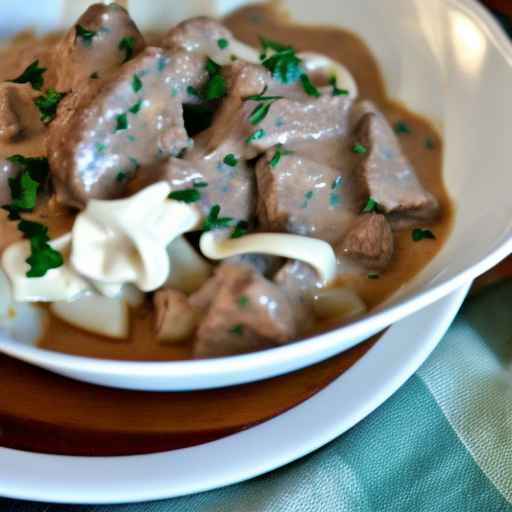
240	229
100	147
136	83
36	166
278	153
243	301
192	91
43	257
258	134
188	195
200	184
121	122
335	90
121	176
402	128
359	148
237	329
308	195
261	110
373	275
47	104
216	87
85	35
23	192
126	45
231	160
429	143
94	75
261	96
33	75
371	206
213	221
309	88
422	234
282	61
222	43
134	109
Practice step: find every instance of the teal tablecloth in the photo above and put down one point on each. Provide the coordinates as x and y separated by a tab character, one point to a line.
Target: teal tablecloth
443	443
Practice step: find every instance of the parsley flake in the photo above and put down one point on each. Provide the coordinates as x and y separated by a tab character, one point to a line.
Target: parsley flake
231	160
136	83
237	329
283	63
371	206
335	90
94	76
192	91
121	122
337	183
373	275
85	35
200	184
243	301
188	195
134	109
222	43
309	88
429	143
121	176
126	45
215	88
359	148
240	229
213	221
258	134
43	256
33	75
402	128
47	104
422	234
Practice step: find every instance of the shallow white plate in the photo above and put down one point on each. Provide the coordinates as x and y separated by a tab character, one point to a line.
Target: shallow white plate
258	450
447	59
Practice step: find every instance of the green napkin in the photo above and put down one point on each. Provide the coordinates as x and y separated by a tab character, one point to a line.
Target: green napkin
442	443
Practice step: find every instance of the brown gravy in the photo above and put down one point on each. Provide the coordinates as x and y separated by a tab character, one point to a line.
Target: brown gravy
422	145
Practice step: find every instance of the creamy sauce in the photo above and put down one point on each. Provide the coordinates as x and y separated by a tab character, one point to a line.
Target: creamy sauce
423	146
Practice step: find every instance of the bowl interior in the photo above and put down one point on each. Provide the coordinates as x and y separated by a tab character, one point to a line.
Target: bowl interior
445	59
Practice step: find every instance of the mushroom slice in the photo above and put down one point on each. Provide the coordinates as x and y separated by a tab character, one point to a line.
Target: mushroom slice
125	240
96	314
319	254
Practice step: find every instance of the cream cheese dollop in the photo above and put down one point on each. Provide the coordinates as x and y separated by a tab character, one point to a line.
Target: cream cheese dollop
125	240
319	254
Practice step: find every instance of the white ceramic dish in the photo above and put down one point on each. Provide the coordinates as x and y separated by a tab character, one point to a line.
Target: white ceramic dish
245	455
447	59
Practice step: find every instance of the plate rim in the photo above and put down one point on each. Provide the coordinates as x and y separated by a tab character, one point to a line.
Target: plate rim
63	479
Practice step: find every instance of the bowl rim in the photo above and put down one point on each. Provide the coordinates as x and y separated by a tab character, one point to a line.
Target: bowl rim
308	346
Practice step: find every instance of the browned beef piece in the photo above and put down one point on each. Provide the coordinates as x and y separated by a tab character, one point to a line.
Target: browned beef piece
387	176
175	318
109	128
77	56
10	125
301	196
231	183
243	312
299	281
369	242
201	35
304	118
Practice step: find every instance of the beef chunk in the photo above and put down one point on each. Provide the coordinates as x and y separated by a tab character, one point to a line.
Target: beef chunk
293	120
175	318
369	242
77	56
386	175
299	281
201	35
243	312
106	130
304	197
10	125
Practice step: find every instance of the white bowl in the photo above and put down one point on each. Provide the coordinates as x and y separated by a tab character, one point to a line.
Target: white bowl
447	59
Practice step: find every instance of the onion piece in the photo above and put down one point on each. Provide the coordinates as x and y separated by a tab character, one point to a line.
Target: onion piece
338	304
319	254
96	314
188	269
